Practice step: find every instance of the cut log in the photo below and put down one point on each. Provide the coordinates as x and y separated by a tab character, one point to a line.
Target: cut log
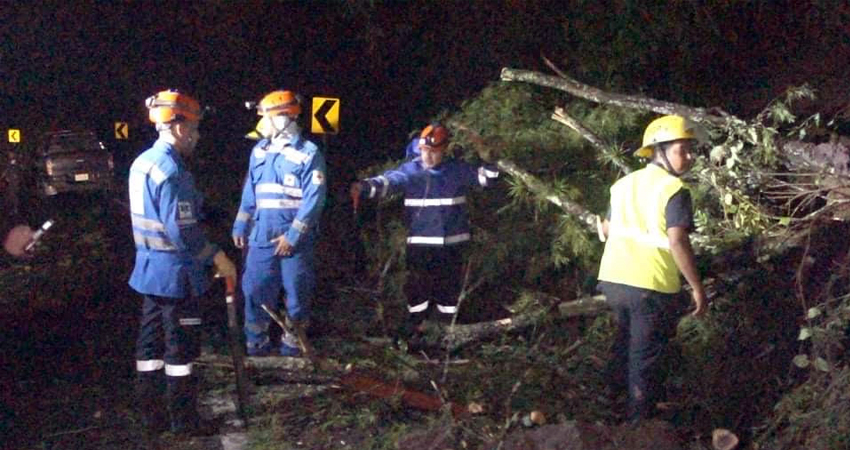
462	335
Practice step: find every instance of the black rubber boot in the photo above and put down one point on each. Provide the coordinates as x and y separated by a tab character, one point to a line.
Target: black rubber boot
150	392
410	332
182	405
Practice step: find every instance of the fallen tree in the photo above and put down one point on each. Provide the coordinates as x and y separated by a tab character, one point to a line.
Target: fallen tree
545	308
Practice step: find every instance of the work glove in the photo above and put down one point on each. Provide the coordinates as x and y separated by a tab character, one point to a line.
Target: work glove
223	266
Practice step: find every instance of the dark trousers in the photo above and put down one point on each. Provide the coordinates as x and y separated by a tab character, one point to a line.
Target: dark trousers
166	346
646	320
434	281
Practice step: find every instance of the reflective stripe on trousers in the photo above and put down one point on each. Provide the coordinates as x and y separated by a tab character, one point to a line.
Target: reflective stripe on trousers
167	336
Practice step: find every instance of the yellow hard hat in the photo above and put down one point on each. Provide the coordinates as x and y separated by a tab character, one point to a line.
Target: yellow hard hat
666	129
169	106
279	102
262	130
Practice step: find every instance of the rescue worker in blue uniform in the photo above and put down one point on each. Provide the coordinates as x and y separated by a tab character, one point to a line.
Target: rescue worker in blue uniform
435	192
278	219
172	261
647	245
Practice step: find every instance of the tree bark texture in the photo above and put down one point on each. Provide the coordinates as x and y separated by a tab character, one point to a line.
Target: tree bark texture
597	95
462	335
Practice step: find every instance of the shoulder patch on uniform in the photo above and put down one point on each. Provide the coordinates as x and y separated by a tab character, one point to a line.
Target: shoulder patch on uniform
318	177
184	210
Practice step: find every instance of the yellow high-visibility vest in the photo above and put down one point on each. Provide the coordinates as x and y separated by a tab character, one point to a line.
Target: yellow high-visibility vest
637	251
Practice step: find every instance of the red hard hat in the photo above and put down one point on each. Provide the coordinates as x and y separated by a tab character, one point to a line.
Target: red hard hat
434	135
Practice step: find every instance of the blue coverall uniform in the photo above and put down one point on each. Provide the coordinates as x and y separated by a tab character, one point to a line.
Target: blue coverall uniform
438	228
284	194
172	257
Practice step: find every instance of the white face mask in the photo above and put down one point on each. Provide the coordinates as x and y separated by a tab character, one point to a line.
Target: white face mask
286	128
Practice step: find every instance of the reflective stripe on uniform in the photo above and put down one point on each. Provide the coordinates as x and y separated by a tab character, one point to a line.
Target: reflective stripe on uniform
149	168
447	309
435	240
273	188
385	185
434	201
149	365
299	225
147	224
178	370
186	222
291	154
243	216
649	239
485	175
153	243
189	321
278	204
417	308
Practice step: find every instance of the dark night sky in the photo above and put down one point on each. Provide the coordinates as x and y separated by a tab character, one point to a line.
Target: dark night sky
85	64
89	64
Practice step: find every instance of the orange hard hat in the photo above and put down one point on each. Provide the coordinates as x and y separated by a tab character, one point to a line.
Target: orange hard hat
434	135
171	105
279	102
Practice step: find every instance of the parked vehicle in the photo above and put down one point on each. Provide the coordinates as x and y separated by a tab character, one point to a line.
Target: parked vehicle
74	161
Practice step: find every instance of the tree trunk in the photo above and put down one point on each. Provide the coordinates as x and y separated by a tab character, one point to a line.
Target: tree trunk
462	335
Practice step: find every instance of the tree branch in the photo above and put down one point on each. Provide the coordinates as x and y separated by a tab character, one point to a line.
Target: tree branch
543	191
560	115
593	94
534	184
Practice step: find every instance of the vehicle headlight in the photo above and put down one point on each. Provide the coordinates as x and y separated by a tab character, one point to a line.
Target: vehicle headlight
48	166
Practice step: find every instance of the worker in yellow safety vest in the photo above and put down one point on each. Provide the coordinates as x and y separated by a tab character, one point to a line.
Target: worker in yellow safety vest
647	246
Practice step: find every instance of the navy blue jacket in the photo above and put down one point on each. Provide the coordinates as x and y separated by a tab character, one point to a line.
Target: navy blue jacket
434	199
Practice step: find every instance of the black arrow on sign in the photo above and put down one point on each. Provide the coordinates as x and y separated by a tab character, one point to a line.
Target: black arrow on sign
320	116
120	131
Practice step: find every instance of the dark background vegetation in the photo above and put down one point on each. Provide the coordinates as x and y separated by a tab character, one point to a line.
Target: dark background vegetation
394	66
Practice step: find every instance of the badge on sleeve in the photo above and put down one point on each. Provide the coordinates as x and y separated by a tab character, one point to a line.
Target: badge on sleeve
318	177
184	210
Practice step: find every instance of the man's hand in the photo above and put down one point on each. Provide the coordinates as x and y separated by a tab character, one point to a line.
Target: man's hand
700	302
224	266
282	246
239	241
17	239
354	192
